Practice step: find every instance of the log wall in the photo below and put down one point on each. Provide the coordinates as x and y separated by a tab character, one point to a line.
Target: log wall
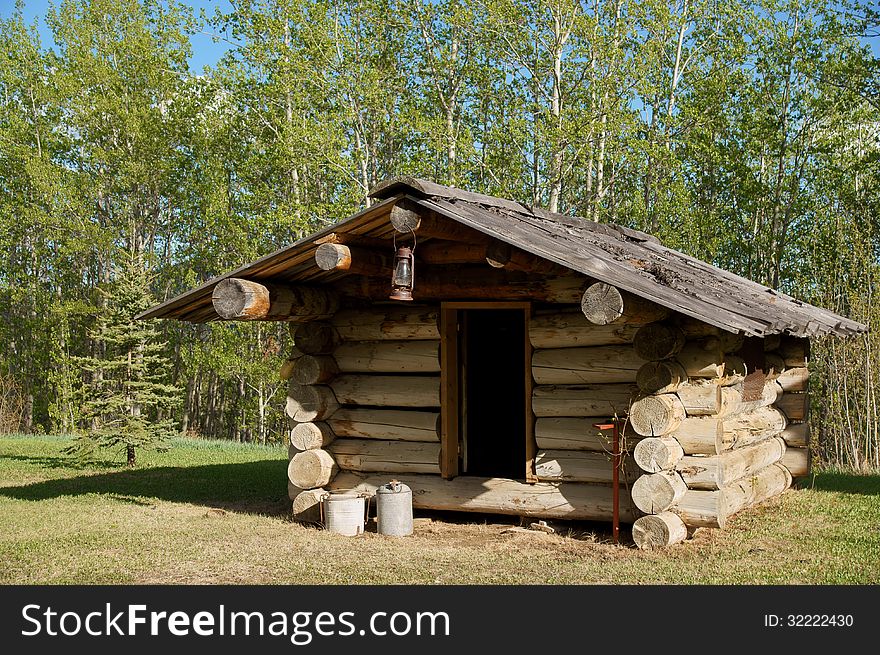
584	375
713	445
364	406
363	396
697	444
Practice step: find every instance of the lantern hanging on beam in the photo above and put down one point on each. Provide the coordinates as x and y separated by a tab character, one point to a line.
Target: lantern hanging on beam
404	272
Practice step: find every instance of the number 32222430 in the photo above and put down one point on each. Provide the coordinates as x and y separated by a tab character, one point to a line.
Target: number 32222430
808	620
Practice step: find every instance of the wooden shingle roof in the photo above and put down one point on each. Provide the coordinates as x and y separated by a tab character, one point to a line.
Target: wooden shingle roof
626	258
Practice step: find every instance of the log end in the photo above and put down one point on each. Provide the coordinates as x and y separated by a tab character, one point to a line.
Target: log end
307	403
602	303
657	492
659	377
658	341
307	505
333	256
311	469
654	416
309	436
658	531
656	454
404	218
238	299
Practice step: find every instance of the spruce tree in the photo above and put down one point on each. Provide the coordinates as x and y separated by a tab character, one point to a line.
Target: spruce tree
129	402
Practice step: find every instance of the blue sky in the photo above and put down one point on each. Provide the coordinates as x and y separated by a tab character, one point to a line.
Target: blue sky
205	50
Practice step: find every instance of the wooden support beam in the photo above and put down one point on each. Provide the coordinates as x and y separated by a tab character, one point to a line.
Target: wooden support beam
722	470
578	466
500	254
711	509
237	299
350	239
353	260
601	400
575	433
702	359
387	390
408	218
701	399
421	356
750	427
440	252
466	284
572	329
449	396
590	365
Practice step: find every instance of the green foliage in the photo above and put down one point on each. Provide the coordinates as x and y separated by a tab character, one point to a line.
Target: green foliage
744	133
128	401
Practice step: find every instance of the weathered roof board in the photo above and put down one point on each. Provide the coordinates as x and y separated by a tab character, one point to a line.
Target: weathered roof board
629	259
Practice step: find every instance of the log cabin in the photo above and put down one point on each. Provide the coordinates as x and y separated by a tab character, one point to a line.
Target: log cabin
499	358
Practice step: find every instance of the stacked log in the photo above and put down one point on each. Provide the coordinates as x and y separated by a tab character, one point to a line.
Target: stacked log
363	396
711	446
580	466
584	367
793	377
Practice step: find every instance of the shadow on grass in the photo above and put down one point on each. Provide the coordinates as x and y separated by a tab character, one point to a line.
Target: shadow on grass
254	487
849	483
63	462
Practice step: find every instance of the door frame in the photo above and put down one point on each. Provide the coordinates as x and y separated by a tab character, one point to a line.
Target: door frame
450	385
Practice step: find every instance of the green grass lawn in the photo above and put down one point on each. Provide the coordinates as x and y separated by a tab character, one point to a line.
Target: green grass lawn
214	512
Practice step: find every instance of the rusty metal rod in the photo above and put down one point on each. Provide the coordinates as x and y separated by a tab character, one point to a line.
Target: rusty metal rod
614	426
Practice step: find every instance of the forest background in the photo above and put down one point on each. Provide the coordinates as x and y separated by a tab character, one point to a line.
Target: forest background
745	133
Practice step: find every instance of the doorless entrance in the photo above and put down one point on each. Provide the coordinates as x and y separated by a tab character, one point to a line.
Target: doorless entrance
492	393
487	425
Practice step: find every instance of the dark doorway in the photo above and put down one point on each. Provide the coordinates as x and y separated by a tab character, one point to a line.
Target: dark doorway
493	393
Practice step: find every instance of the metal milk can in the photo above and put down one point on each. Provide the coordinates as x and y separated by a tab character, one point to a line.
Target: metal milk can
394	509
